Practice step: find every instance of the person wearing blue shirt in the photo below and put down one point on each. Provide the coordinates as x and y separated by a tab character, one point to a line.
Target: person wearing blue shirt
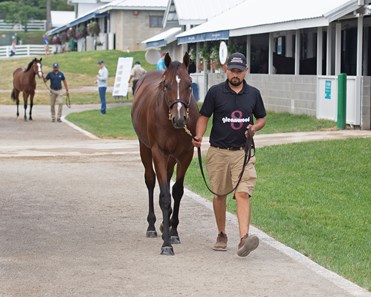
161	63
46	44
56	77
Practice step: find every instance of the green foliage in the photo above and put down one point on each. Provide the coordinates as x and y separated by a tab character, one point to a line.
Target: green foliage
21	11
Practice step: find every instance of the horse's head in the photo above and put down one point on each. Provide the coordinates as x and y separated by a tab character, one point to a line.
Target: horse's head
177	87
37	67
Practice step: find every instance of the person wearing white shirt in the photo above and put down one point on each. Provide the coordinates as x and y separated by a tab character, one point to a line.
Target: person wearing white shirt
102	82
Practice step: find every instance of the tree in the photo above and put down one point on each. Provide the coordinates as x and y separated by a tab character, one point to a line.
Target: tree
48	15
21	11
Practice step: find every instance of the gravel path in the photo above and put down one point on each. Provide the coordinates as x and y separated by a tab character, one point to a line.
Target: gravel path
73	221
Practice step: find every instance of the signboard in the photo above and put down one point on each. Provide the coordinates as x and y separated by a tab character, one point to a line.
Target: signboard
123	71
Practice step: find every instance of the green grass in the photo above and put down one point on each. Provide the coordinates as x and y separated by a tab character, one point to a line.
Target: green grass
80	69
286	122
316	198
110	125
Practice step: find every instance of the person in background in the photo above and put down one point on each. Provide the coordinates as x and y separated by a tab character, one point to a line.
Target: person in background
56	77
192	69
13	47
102	82
161	62
46	44
136	74
233	104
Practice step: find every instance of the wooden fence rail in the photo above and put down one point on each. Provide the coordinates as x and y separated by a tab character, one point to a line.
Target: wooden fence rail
23	51
33	25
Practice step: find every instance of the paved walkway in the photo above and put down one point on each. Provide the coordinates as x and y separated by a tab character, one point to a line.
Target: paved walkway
73	219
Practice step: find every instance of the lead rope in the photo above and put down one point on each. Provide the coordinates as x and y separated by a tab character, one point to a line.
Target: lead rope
249	146
68	100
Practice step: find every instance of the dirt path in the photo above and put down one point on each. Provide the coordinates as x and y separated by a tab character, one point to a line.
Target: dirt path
73	220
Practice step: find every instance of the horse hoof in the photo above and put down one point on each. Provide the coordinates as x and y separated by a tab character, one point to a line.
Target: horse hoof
151	234
167	251
175	240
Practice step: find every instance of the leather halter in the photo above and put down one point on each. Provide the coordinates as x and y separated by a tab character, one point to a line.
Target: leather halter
178	100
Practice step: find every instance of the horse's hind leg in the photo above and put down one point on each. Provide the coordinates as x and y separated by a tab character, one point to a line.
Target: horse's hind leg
150	180
15	93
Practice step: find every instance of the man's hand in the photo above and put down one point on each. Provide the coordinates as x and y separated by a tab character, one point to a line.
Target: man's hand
196	141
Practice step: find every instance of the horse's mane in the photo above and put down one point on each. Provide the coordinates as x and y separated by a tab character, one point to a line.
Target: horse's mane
30	65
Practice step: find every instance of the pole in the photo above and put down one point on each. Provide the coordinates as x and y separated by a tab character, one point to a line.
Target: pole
342	100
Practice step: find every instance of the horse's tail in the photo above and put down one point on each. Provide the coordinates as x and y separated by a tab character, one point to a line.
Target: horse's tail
13	95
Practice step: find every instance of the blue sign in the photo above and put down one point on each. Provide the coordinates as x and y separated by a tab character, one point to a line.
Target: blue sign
328	89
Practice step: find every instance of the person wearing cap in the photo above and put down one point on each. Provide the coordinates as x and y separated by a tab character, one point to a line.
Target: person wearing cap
136	73
56	78
102	82
233	104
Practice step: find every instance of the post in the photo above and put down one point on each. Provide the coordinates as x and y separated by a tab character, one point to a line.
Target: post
342	100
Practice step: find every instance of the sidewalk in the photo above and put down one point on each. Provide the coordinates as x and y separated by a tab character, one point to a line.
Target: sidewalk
73	221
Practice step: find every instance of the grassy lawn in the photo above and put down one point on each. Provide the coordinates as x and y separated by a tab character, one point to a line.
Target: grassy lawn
80	70
117	124
314	197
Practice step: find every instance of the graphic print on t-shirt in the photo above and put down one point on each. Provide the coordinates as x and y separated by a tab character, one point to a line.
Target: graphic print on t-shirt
236	120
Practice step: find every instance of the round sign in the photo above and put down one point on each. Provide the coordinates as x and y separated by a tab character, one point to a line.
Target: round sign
223	52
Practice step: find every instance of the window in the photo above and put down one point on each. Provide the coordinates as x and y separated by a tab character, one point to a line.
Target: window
155	21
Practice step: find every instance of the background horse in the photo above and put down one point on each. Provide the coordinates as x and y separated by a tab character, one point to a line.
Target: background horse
24	81
162	111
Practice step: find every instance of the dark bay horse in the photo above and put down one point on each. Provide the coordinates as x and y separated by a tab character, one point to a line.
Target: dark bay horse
24	81
164	115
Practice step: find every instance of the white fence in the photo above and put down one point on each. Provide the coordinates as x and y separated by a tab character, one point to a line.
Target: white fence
33	25
23	50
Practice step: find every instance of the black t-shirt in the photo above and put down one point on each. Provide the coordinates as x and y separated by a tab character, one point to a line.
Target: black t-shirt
55	80
232	113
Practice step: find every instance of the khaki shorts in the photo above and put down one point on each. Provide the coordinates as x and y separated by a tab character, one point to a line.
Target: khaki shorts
224	167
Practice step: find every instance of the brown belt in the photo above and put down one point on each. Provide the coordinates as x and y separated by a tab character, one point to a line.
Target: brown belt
239	148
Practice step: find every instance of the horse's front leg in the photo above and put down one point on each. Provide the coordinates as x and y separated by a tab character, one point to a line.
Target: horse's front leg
31	105
25	98
160	161
177	192
150	180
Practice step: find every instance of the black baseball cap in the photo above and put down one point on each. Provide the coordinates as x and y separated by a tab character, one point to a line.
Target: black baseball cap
55	65
237	61
100	62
